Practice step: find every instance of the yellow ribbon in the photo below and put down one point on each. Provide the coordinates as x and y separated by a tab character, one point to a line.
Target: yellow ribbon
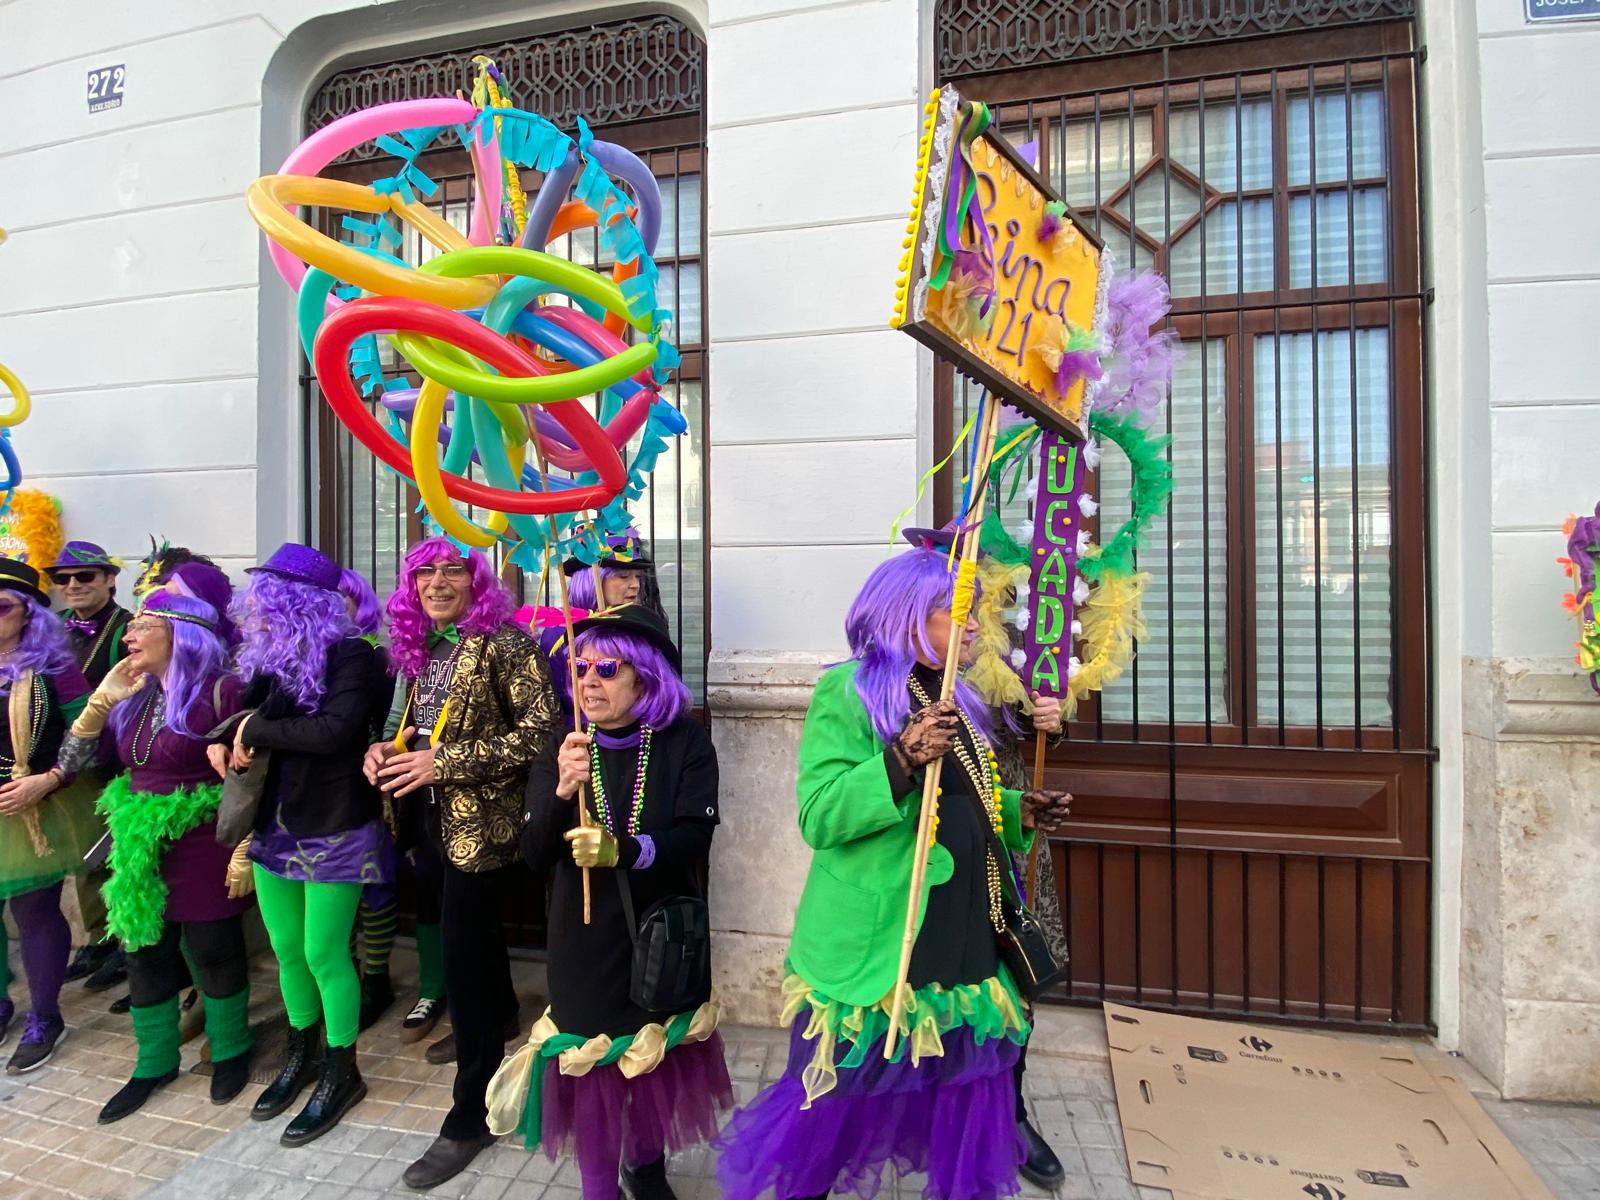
922	484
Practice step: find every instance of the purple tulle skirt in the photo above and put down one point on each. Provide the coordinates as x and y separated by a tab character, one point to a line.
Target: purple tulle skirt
953	1117
604	1119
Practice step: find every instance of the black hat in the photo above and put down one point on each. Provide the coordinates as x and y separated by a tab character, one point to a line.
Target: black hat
624	552
635	619
18	576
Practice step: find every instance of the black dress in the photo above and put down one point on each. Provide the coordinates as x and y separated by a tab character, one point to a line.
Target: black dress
590	965
956	943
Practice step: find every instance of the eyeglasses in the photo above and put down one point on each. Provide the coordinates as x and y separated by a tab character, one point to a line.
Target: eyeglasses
606	668
62	578
145	626
454	572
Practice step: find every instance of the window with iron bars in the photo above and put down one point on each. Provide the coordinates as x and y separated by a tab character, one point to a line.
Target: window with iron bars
1280	203
365	514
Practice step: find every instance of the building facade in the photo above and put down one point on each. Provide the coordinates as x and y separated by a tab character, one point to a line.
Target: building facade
1353	779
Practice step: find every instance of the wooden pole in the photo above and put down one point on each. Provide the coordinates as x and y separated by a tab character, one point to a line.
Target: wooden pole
572	673
970	522
1038	785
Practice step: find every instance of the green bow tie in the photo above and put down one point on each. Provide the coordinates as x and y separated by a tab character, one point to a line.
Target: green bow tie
448	634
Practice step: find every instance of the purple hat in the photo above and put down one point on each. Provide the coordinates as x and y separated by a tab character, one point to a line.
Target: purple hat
624	551
932	539
302	564
84	554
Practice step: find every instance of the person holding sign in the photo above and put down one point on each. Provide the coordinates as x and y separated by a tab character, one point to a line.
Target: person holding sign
944	1102
480	709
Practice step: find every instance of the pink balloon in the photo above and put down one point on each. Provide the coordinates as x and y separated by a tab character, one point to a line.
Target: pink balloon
334	138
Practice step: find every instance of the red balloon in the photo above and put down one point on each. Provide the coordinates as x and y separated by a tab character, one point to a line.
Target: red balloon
388	314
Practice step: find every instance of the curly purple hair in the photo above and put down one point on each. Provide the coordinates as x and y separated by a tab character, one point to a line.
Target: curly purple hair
199	656
408	624
663	697
366	612
43	648
288	628
887	626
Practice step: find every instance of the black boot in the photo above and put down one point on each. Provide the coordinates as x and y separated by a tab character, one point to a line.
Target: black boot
302	1059
1041	1168
377	994
648	1181
133	1095
229	1077
339	1087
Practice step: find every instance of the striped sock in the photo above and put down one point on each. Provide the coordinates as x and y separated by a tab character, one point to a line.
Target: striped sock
377	936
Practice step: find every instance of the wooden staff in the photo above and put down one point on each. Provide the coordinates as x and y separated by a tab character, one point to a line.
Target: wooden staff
1038	785
971	520
572	674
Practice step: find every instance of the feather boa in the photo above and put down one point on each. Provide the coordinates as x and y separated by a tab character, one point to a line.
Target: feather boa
143	825
1150	491
30	528
991	672
1112	619
1138	357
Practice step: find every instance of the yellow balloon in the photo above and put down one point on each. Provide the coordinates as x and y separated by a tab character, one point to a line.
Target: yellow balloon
270	198
425	421
23	402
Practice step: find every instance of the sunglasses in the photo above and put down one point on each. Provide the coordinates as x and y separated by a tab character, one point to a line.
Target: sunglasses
606	668
62	578
7	607
454	572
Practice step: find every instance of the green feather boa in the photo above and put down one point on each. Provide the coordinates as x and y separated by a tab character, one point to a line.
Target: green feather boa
142	826
1149	493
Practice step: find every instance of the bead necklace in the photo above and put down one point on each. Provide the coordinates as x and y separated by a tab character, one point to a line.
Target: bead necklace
602	809
985	777
150	724
442	679
35	726
99	641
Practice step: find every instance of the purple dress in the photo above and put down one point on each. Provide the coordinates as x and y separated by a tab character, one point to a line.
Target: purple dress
193	867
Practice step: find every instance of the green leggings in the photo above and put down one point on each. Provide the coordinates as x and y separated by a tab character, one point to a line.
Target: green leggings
309	924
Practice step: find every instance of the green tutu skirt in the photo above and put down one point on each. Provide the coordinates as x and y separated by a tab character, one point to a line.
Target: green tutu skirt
69	826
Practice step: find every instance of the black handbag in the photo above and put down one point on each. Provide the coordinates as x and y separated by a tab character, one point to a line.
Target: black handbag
1021	943
671	951
242	791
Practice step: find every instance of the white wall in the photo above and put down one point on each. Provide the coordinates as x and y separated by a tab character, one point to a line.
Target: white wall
1541	162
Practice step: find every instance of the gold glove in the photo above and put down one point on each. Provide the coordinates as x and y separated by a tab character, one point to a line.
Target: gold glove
592	846
241	877
117	686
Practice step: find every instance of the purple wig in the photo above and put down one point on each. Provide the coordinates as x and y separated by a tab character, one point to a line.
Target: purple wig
580	588
43	648
408	624
368	614
288	629
663	697
199	656
887	626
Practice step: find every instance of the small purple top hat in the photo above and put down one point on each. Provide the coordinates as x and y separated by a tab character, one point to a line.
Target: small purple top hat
302	564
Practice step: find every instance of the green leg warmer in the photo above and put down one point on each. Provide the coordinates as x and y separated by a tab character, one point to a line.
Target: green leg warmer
228	1025
156	1027
430	950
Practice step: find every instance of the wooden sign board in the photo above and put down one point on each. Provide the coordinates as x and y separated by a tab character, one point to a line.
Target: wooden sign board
1036	280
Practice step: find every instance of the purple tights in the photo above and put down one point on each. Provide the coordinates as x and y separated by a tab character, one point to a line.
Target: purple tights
46	943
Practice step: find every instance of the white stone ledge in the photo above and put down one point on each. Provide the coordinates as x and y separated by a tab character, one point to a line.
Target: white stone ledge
762	683
1539	699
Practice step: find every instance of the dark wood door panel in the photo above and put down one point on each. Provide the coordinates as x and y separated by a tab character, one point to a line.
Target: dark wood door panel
1300	801
1277	935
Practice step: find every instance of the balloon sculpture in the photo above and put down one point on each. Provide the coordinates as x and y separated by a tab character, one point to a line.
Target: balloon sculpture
1583	551
508	339
30	520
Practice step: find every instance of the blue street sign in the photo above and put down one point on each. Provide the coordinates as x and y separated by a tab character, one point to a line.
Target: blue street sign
1539	11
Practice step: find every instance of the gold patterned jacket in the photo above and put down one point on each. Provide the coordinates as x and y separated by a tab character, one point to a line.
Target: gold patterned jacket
503	714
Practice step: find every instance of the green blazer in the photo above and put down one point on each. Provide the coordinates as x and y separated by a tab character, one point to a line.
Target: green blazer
852	914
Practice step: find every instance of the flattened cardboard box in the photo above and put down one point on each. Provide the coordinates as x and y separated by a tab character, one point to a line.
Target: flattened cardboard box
1227	1111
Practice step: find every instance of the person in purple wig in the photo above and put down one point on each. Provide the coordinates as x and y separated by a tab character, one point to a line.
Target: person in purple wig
179	569
478	709
162	709
653	777
317	692
625	573
47	819
362	603
944	1105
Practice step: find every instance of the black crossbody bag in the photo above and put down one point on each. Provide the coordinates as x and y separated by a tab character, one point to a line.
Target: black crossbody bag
671	951
1022	944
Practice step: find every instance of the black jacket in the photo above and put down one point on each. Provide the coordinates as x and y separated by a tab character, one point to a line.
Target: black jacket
314	778
589	966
